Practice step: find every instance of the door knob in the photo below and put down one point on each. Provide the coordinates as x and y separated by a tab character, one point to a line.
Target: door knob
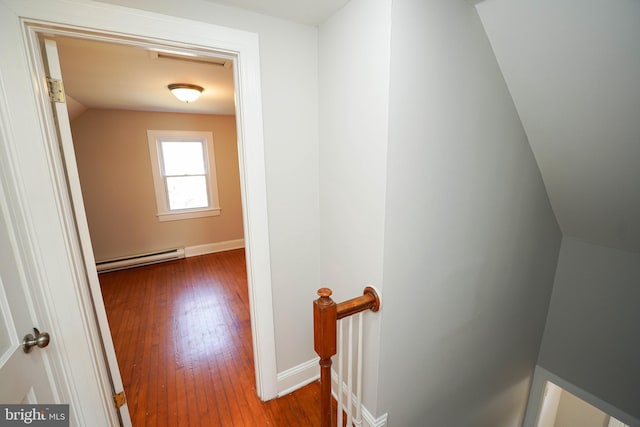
41	339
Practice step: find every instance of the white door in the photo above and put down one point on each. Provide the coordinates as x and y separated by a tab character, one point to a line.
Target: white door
24	378
54	72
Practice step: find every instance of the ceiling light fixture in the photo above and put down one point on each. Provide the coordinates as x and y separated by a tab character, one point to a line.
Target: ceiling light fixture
185	92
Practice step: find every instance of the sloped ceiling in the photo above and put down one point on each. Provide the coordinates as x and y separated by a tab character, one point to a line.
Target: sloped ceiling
573	70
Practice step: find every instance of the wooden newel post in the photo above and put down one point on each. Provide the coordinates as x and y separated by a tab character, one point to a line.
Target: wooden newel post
324	342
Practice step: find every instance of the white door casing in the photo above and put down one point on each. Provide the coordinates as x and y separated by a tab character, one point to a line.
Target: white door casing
536	399
49	231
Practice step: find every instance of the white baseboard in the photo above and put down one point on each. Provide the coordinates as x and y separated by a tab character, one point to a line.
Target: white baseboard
297	377
368	420
210	248
381	421
309	371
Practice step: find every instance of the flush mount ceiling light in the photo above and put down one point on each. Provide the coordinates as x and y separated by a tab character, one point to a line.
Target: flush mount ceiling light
185	92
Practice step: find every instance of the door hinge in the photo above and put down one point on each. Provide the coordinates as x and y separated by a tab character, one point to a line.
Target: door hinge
120	399
56	90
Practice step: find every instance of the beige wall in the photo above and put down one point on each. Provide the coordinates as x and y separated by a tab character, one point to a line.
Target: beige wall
574	412
115	173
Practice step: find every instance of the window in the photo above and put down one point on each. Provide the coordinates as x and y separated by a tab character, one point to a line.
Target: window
184	174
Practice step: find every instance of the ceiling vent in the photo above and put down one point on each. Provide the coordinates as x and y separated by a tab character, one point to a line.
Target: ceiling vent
177	56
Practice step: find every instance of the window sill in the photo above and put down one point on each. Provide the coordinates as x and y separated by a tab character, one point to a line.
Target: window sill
177	216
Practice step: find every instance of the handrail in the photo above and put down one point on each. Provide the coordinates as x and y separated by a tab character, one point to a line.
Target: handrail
325	316
368	301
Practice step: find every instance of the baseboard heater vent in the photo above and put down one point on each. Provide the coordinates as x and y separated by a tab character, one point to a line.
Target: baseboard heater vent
139	260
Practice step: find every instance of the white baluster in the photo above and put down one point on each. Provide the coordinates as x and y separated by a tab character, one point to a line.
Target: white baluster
339	390
358	420
350	375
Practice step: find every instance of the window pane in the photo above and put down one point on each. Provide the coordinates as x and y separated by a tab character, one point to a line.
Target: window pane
187	192
183	158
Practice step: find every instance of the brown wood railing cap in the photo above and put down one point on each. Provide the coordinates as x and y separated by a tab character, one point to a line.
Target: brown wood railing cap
324	292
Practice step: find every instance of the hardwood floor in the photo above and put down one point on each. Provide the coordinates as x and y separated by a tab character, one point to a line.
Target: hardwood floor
182	336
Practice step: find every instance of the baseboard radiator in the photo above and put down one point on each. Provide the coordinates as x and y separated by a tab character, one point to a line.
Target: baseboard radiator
139	260
333	326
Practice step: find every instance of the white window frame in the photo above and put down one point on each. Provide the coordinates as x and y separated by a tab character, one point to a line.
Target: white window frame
155	137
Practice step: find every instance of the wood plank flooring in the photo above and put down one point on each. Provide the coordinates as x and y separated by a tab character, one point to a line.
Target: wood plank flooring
182	336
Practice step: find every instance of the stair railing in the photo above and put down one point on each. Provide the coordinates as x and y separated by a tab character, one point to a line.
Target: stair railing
326	314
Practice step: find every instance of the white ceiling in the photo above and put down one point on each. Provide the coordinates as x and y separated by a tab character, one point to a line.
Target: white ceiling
308	12
108	75
573	69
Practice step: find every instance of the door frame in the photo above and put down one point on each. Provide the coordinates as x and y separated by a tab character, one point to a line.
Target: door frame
536	397
26	94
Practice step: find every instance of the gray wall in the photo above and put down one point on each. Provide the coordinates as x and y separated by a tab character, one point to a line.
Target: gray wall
471	241
591	337
354	99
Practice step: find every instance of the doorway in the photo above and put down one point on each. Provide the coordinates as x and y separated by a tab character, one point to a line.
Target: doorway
561	408
556	402
122	27
120	94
